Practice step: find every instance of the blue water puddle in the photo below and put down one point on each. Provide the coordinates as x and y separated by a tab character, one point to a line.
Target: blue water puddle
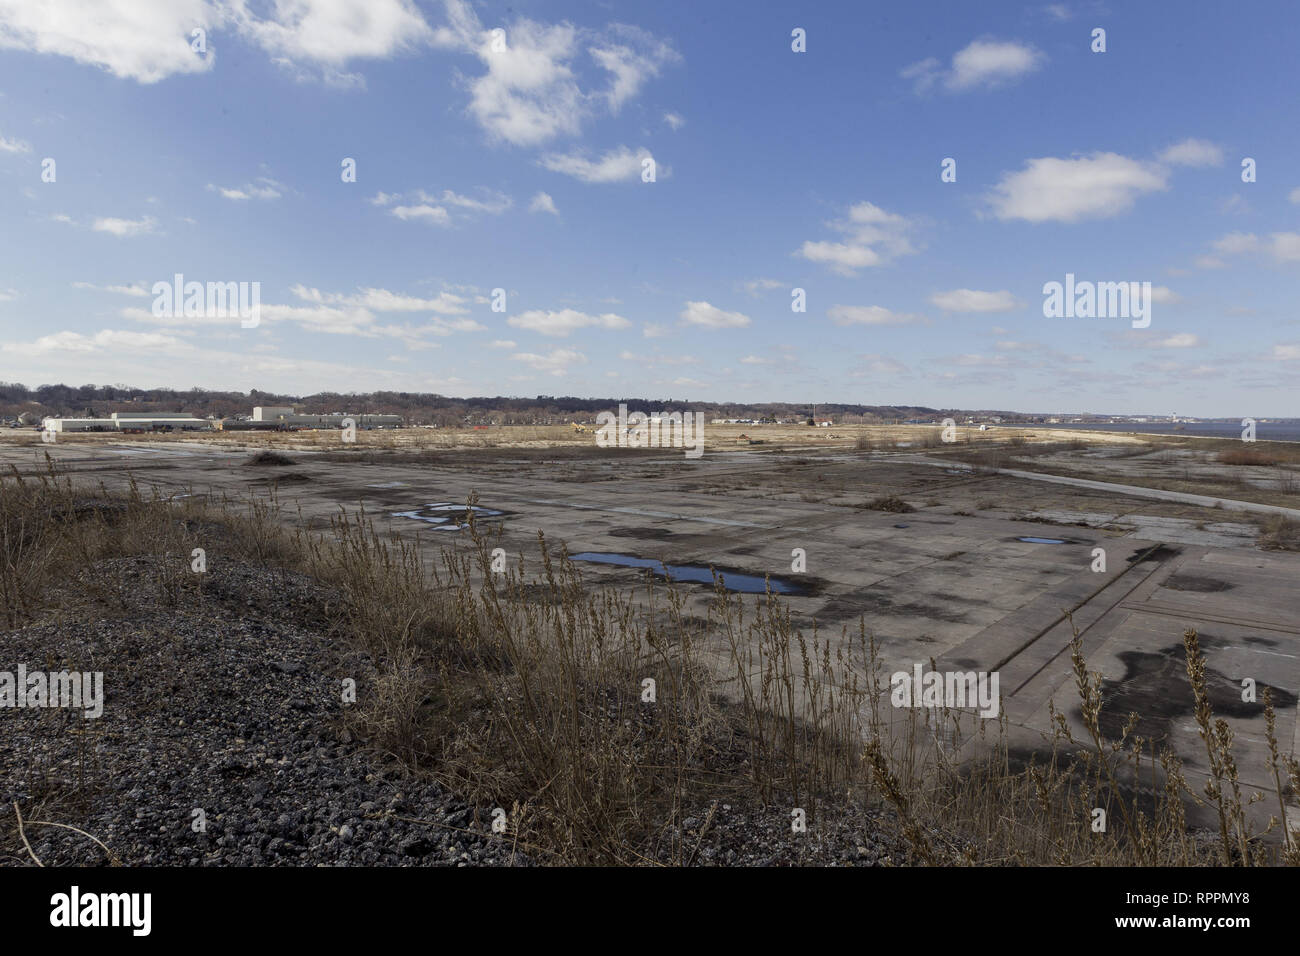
695	573
447	515
1042	540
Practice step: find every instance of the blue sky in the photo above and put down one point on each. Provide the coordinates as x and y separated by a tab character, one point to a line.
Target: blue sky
521	169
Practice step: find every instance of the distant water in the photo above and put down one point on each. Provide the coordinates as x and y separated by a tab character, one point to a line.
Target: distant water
1264	431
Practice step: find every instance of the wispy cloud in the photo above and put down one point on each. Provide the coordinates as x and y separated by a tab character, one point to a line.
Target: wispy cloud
871	315
982	64
262	188
973	300
1069	190
872	237
531	91
619	165
565	321
711	317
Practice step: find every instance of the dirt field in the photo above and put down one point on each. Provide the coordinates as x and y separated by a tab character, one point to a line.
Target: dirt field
939	558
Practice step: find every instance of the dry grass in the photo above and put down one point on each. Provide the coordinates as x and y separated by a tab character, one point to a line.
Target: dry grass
1279	533
890	503
1247	456
527	690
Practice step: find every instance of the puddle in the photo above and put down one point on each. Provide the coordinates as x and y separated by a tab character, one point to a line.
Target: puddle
1032	540
695	573
447	515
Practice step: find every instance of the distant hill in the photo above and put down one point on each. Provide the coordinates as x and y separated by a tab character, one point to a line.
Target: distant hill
421	408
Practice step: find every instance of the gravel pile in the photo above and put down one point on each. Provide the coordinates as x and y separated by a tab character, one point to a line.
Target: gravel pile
227	705
229	700
725	834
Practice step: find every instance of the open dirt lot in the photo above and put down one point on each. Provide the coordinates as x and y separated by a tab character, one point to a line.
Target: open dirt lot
977	568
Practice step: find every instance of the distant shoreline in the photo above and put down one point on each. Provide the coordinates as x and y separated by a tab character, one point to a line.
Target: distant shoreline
1228	431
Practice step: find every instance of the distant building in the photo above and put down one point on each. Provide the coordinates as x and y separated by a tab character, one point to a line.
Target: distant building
289	418
78	425
129	422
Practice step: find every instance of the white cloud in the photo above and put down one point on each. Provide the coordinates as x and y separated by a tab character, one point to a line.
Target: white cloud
973	300
1068	190
631	56
134	289
351	313
1165	295
125	227
1147	340
844	258
556	361
711	317
263	188
382	300
543	202
150	40
493	204
530	93
503	344
143	40
14	146
755	286
565	322
436	209
1193	152
872	237
107	339
878	364
329	33
1279	246
674	120
870	315
423	213
617	165
982	63
1294	195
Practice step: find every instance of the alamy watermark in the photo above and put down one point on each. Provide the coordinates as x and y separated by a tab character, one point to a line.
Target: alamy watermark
978	689
1098	300
653	430
127	910
199	300
75	690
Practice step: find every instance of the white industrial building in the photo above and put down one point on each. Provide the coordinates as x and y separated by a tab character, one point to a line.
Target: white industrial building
79	425
290	418
128	421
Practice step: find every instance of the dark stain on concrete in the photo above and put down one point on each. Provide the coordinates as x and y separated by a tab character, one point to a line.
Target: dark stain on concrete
1161	553
1191	582
868	603
653	534
1155	685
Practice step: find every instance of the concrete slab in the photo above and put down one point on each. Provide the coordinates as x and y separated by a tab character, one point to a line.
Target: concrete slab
950	580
